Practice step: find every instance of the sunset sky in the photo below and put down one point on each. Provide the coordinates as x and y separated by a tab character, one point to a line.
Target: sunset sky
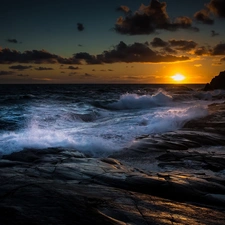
117	41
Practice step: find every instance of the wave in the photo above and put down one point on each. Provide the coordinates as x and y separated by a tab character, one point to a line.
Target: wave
210	95
134	101
111	133
86	117
173	119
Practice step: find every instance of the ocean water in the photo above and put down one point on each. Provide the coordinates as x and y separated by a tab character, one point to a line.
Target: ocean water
95	119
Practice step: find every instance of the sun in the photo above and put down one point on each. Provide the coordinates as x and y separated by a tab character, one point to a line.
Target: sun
178	77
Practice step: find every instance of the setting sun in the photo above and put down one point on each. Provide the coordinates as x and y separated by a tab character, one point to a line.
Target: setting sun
178	77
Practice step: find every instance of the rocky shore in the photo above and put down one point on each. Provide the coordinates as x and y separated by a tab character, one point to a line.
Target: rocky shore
218	82
172	178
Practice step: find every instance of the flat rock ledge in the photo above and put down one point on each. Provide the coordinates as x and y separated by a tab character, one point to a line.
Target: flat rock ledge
172	178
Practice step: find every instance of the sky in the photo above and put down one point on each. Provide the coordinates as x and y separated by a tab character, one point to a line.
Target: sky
115	41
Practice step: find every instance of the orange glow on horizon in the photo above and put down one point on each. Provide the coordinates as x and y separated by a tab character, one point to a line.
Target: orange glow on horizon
178	77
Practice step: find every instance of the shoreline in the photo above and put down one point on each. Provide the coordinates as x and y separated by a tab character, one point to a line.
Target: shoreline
175	177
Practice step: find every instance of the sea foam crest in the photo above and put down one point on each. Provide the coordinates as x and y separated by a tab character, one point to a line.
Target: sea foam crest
210	95
134	101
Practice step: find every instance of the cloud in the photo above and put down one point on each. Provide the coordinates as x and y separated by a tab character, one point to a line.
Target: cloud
169	50
3	72
183	45
136	52
217	7
43	79
12	41
20	67
43	68
22	75
213	33
148	19
124	9
80	45
80	27
62	72
158	42
89	59
204	17
223	59
8	56
219	49
202	51
110	70
73	68
198	65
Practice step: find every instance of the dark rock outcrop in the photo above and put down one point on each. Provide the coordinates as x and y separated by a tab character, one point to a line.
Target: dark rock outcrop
218	82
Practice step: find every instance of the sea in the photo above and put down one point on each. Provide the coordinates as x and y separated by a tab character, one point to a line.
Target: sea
96	119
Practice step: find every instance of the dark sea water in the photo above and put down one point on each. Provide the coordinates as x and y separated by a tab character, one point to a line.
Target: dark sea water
95	119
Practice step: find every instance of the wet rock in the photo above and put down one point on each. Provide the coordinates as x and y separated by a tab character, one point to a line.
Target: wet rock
218	82
171	178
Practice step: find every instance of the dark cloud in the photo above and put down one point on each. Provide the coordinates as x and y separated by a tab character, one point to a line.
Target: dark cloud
12	41
62	72
3	72
73	68
213	33
43	68
183	45
133	77
8	56
136	52
22	75
219	49
223	59
89	59
204	17
168	46
217	7
20	67
170	50
110	70
150	18
80	27
79	45
158	42
202	51
124	9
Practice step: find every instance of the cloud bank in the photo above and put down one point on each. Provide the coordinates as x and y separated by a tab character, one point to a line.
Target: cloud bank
148	19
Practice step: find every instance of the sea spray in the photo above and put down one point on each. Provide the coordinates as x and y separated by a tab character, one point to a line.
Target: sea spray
77	124
134	101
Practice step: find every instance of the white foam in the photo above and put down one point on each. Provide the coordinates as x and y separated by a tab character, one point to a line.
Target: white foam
209	95
112	131
37	138
134	101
